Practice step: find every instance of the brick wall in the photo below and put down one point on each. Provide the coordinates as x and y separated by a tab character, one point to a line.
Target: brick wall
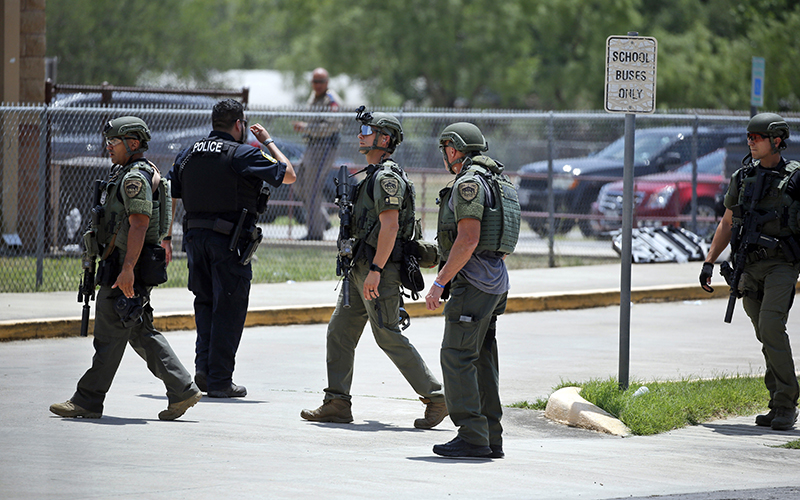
33	47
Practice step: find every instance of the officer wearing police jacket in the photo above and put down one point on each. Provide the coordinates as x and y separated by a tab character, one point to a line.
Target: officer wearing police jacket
220	179
478	226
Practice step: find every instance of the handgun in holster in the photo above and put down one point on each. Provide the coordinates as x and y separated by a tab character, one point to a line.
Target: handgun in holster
253	242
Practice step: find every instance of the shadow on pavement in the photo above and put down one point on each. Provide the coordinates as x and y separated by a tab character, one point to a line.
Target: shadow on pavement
749	430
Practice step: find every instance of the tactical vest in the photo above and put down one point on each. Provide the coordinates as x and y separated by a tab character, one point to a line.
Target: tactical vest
210	185
364	213
113	218
774	199
500	222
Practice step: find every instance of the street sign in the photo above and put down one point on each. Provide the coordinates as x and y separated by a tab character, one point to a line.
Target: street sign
757	89
631	74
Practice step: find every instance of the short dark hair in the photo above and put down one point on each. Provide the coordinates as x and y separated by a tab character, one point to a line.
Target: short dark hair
225	114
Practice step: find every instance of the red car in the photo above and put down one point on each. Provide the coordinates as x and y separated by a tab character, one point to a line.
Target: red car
660	199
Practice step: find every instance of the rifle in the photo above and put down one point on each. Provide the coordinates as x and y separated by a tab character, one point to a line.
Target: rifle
87	285
746	237
346	242
86	290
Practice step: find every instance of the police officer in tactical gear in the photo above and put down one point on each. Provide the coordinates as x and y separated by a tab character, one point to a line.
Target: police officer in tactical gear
221	182
126	224
770	270
383	217
479	219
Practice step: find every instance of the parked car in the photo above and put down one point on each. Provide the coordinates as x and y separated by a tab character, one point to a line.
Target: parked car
577	181
76	122
665	195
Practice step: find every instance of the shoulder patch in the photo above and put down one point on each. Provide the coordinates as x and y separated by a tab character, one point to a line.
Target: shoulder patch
133	187
468	190
268	157
390	185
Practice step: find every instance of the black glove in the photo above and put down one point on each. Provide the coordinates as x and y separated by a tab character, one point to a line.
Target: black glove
705	275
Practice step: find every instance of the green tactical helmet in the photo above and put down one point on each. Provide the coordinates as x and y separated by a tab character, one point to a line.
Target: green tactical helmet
465	137
388	124
128	126
770	125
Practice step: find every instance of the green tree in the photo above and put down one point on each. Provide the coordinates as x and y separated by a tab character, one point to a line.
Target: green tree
118	42
540	54
444	53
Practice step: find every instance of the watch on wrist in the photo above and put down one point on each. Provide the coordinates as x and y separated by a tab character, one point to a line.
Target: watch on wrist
374	267
268	141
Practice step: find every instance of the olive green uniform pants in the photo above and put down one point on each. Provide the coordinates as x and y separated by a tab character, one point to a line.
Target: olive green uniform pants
110	340
347	325
469	363
776	279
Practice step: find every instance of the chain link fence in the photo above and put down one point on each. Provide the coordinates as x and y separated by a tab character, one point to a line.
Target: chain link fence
567	165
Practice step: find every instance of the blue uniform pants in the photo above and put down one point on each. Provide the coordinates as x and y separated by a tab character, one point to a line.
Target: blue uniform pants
221	288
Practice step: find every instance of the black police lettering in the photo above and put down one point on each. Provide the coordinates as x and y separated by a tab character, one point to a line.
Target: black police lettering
207	147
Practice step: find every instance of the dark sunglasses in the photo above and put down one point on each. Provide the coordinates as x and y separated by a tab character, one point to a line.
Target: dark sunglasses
755	137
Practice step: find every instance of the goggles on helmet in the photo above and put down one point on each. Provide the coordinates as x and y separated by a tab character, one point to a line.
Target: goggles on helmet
755	137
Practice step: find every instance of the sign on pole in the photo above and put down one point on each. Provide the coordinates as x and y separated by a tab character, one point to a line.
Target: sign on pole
630	74
630	89
757	90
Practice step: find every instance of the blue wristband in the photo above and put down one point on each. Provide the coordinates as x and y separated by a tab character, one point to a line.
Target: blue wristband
437	284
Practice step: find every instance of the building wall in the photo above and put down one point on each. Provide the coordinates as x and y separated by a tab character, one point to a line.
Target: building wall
23	46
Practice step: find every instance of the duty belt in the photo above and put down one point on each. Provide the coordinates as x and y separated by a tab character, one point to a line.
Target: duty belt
763	253
221	226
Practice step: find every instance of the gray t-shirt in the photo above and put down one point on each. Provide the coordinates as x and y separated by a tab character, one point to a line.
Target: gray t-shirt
484	270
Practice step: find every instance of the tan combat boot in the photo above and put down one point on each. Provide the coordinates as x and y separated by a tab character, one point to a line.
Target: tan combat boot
334	410
434	414
175	410
71	410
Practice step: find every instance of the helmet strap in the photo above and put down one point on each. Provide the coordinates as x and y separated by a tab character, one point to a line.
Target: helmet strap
451	164
775	149
367	149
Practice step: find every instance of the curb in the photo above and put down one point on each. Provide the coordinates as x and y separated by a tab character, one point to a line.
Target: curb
299	315
566	406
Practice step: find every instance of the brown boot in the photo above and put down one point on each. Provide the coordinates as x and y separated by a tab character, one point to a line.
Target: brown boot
434	414
71	410
333	410
175	410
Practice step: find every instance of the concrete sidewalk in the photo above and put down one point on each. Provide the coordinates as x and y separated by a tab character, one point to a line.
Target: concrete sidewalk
41	315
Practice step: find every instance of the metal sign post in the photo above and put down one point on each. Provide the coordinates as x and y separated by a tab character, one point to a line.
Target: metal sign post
630	89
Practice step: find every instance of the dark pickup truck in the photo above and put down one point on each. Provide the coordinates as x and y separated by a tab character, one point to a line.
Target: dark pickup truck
577	181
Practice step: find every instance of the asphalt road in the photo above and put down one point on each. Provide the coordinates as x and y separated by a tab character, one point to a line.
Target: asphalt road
259	447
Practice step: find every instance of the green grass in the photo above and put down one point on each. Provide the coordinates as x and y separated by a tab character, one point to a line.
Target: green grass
18	274
272	264
539	404
671	404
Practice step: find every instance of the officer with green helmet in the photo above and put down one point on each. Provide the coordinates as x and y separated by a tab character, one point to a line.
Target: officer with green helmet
383	218
478	226
128	224
765	190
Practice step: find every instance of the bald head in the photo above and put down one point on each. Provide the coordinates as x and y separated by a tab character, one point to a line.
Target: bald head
319	81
